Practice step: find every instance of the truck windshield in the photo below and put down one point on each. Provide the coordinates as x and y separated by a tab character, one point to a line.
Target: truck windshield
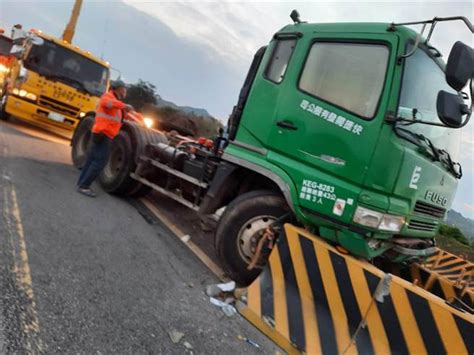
423	79
62	64
5	45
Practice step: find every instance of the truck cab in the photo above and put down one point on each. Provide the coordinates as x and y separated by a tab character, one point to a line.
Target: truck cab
52	83
330	113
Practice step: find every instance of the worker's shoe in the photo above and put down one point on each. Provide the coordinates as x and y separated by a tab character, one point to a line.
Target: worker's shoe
86	191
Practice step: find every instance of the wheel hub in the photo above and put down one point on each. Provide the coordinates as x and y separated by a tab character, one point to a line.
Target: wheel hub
114	165
250	234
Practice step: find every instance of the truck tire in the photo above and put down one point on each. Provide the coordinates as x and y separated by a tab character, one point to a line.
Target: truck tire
240	228
130	143
115	177
3	114
80	141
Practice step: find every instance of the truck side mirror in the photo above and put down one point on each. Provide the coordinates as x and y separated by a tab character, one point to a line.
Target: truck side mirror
17	52
450	109
460	66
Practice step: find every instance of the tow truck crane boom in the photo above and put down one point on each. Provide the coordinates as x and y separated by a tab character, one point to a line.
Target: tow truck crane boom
68	33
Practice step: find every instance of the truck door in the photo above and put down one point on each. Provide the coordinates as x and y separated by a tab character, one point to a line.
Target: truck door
330	107
260	97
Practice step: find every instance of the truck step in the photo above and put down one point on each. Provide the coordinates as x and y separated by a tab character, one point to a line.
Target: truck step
161	190
174	172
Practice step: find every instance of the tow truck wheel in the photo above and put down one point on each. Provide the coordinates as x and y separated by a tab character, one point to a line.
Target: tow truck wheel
80	141
241	228
115	177
3	114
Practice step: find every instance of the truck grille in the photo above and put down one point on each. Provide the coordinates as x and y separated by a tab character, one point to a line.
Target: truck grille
58	106
422	225
429	210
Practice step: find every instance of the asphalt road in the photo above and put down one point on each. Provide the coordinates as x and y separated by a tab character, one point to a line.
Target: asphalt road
82	275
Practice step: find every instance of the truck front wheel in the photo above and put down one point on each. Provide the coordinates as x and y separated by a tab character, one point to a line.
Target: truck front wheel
241	227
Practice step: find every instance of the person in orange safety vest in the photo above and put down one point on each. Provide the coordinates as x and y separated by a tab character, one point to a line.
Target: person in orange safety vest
108	120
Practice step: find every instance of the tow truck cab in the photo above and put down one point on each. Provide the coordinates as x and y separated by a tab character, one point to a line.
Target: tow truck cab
328	110
52	83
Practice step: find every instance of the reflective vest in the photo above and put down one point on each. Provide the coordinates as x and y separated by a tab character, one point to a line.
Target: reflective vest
108	116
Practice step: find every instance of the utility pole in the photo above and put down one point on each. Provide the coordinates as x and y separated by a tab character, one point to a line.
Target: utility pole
71	26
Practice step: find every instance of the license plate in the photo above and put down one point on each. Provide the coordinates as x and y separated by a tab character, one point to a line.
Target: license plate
56	117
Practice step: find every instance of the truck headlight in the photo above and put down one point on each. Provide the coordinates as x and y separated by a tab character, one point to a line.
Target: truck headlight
391	223
367	217
25	94
378	220
31	96
148	122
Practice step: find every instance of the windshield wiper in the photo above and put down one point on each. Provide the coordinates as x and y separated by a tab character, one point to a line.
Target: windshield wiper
440	155
450	163
421	138
66	79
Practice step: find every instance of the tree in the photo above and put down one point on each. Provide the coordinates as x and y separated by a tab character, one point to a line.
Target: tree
453	232
141	94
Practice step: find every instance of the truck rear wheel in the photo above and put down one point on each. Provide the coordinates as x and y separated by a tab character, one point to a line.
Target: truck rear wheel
240	228
80	141
115	177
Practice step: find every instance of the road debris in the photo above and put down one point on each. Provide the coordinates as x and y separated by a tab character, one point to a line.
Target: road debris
226	306
186	238
222	295
216	289
188	345
249	341
175	336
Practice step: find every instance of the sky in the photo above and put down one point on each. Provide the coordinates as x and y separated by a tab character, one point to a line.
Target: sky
198	53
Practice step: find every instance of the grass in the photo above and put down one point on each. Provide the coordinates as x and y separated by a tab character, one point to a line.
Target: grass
455	247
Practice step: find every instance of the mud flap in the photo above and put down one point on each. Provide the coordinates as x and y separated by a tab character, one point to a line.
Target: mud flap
311	298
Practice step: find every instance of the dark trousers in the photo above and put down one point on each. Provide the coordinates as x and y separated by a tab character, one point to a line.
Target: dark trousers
96	160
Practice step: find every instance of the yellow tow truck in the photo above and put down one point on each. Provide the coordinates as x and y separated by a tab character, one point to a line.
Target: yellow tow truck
50	82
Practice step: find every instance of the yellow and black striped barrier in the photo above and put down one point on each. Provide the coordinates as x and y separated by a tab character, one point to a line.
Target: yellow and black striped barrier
310	298
447	276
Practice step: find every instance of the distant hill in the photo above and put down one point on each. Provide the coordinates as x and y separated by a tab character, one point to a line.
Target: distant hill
188	109
466	225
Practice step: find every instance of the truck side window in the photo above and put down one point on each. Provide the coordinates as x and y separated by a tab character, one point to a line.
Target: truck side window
348	75
279	60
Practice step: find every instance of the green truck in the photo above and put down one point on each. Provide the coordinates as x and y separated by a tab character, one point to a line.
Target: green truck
348	129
